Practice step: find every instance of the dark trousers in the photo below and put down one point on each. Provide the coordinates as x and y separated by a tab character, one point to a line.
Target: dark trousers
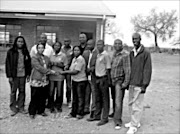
78	89
102	98
18	83
113	97
119	96
38	100
56	103
87	97
68	87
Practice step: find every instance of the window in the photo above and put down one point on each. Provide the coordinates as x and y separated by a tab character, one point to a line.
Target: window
50	31
88	35
51	37
8	33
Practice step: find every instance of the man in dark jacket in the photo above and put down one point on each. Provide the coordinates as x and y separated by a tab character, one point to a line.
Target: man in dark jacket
18	69
83	42
90	56
141	70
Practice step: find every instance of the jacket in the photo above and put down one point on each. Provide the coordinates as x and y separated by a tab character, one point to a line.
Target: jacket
11	63
141	68
39	70
92	61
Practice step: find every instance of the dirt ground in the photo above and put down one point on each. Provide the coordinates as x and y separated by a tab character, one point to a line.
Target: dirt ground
161	109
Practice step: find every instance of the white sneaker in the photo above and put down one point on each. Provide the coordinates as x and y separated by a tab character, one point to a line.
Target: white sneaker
132	130
117	127
127	125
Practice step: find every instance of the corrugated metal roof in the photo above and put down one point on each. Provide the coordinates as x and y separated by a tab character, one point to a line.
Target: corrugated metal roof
65	7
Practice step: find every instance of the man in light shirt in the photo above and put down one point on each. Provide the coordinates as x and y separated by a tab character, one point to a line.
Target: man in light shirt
48	49
103	81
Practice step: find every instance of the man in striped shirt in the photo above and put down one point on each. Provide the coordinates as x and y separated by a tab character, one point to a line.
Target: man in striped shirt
120	76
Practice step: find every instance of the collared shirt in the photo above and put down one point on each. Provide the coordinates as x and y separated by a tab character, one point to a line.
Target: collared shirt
58	58
68	52
20	66
103	62
136	51
78	64
120	69
47	52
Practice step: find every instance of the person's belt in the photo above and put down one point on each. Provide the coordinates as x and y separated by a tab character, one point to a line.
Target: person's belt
100	77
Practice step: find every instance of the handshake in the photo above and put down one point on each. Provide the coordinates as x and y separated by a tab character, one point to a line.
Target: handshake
56	73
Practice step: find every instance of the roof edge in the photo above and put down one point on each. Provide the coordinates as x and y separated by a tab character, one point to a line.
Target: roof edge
54	12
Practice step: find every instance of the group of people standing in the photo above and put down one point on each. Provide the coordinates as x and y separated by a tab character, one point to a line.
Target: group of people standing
89	71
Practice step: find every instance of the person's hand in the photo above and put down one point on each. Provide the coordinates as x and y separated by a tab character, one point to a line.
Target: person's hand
52	72
28	78
131	102
61	72
10	79
66	68
56	73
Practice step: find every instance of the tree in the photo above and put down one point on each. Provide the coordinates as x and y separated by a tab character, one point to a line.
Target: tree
161	25
176	42
113	29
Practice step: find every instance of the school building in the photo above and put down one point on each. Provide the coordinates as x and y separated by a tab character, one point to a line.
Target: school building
58	19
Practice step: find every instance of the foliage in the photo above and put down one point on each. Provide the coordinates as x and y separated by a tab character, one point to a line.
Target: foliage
161	25
113	29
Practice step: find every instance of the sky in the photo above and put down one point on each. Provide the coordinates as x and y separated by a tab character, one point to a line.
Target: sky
124	10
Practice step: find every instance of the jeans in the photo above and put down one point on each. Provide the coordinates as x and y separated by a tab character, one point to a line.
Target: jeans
78	98
68	87
18	83
119	96
38	100
102	98
113	96
56	103
136	108
87	97
93	95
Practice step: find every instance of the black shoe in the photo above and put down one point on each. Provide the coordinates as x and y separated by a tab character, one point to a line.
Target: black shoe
111	115
79	117
93	119
59	110
102	123
43	114
32	116
13	113
23	111
52	110
92	114
87	112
